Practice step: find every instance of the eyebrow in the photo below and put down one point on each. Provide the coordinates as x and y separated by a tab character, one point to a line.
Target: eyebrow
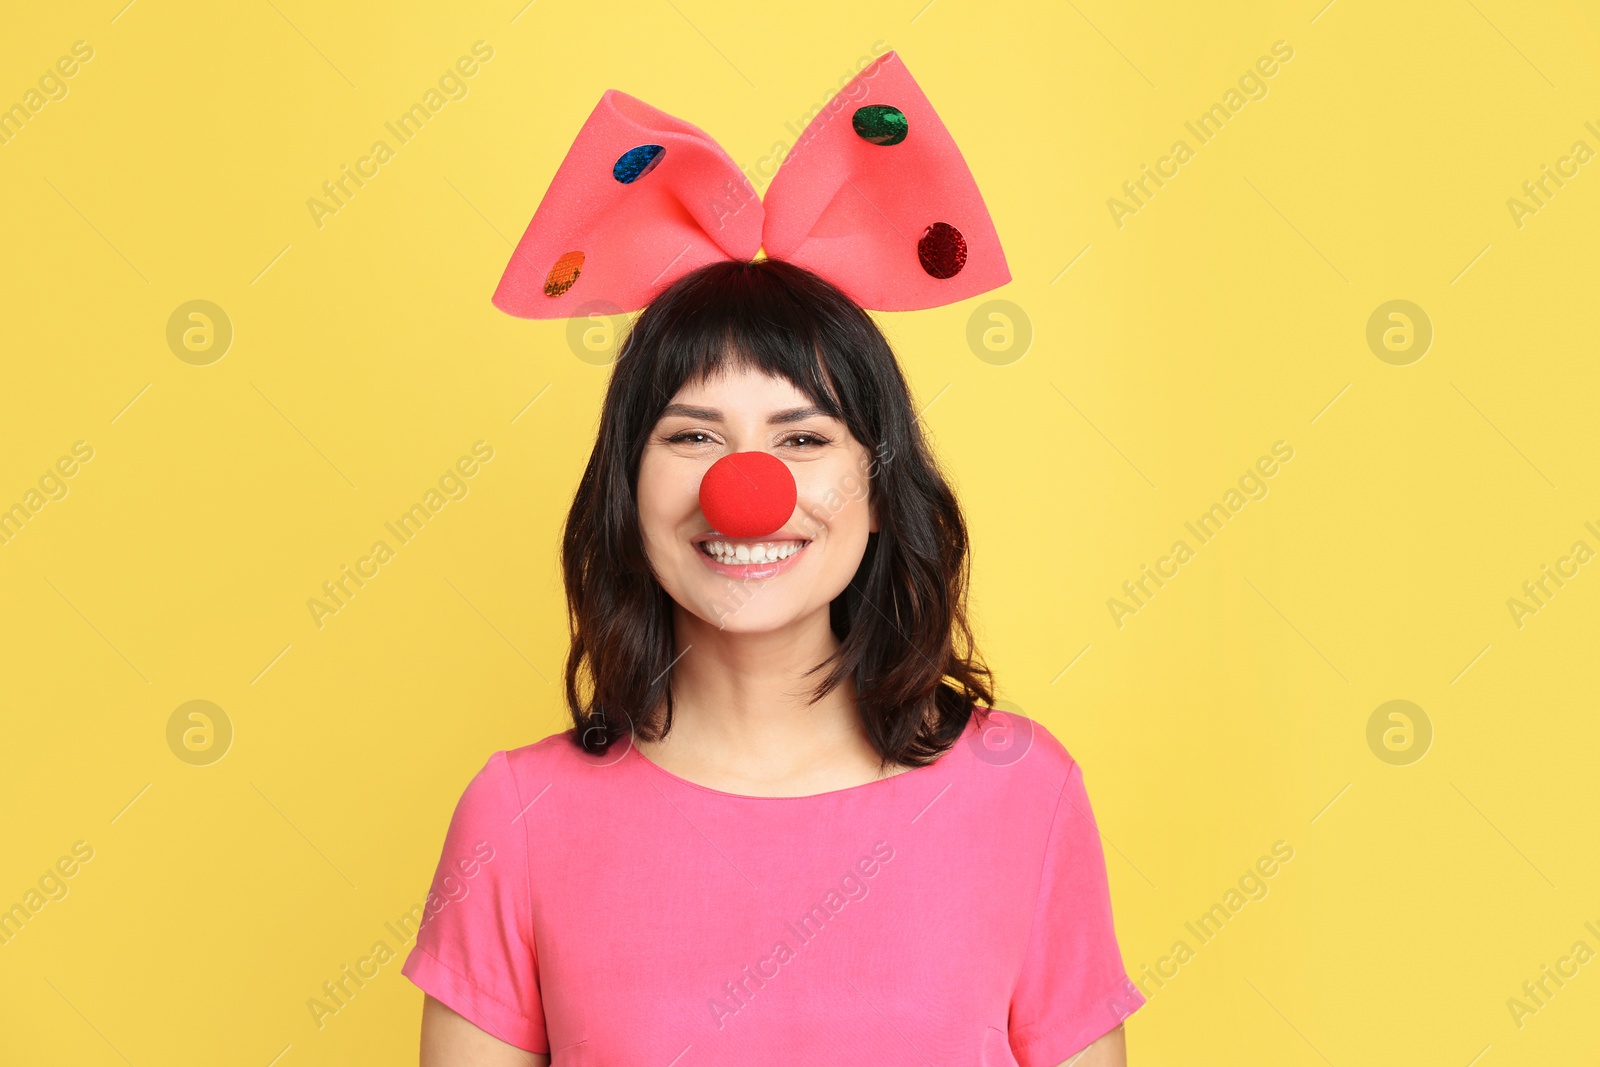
787	415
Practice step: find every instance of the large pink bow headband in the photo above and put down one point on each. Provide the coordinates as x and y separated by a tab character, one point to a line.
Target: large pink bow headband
874	196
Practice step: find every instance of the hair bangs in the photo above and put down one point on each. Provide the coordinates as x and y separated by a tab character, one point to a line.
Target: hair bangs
749	320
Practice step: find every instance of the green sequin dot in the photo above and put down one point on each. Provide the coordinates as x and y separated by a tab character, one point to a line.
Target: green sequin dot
880	124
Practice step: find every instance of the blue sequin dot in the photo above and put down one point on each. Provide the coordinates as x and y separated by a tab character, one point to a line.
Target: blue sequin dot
635	163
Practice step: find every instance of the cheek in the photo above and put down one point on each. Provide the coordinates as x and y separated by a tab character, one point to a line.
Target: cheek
836	500
844	520
667	497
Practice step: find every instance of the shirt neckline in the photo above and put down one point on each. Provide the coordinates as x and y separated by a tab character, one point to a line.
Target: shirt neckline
943	760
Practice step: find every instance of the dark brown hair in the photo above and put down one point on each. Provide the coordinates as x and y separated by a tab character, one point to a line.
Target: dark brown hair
901	622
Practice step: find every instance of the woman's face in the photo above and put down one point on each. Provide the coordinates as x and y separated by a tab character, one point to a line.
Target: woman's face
770	582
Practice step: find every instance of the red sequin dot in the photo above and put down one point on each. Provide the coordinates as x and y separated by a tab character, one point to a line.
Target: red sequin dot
563	274
942	250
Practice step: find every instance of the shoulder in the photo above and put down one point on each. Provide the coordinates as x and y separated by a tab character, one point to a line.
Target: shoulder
550	755
510	778
1026	749
1021	759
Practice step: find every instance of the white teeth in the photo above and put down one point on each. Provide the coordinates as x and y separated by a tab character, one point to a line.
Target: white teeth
763	552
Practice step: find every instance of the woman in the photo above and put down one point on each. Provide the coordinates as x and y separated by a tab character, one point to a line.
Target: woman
780	830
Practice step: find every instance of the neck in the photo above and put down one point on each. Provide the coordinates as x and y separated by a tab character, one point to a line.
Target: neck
745	695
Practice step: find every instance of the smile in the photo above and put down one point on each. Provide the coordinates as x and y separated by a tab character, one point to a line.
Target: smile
750	559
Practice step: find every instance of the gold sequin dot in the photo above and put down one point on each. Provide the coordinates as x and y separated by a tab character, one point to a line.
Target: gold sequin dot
563	274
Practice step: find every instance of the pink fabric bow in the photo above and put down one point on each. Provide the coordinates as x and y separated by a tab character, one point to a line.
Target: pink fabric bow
874	196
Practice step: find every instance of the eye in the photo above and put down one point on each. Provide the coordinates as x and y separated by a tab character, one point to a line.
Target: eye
805	440
692	437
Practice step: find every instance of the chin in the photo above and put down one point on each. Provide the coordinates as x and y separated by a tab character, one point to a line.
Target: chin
731	614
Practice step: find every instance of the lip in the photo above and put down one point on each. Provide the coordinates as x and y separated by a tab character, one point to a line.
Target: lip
749	571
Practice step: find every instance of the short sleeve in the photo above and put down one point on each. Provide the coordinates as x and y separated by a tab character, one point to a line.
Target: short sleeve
475	948
1073	988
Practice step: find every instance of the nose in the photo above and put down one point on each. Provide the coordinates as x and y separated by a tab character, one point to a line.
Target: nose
748	494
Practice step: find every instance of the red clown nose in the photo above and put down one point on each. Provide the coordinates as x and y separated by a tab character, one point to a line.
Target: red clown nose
747	494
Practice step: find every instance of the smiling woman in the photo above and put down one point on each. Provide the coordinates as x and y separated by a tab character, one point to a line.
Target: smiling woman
768	357
772	681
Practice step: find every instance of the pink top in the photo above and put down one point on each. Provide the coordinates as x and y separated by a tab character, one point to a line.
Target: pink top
609	910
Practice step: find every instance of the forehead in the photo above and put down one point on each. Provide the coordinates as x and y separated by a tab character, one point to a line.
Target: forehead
735	388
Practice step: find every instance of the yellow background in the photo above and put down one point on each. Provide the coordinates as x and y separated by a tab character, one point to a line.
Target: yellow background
1230	312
